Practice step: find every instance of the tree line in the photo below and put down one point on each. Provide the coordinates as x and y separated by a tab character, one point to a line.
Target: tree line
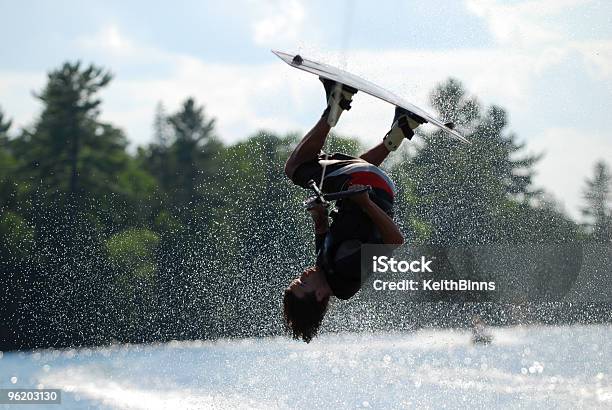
191	238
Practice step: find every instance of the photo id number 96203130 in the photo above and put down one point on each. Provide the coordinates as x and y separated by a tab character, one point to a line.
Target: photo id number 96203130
30	396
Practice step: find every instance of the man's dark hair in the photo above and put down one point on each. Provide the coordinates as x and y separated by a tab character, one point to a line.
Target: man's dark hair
303	316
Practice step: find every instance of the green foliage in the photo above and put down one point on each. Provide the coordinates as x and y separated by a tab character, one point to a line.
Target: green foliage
132	253
542	222
460	196
462	189
135	182
261	229
132	248
167	224
189	238
8	165
5	125
183	158
349	146
17	235
598	203
68	150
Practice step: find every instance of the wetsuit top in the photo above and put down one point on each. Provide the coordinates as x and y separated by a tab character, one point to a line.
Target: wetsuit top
339	250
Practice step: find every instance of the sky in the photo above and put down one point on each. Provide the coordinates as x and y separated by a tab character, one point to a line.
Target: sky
547	62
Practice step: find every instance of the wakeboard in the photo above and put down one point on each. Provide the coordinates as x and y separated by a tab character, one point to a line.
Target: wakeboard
368	87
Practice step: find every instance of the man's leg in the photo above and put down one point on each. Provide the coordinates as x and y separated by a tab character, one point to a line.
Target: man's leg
309	148
376	155
338	100
404	123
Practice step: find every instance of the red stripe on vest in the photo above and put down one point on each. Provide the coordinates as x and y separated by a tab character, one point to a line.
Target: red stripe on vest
372	179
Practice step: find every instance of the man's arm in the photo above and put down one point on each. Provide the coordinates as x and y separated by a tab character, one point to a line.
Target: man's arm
321	222
388	229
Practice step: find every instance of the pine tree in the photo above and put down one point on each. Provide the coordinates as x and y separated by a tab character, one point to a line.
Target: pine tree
191	156
70	167
461	189
155	157
7	165
5	125
161	130
598	209
68	150
465	195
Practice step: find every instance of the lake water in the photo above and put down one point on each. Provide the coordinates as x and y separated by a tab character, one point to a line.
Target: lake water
525	367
